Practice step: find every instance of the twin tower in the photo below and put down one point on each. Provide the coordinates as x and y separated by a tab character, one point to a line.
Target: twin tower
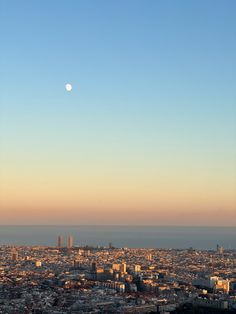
60	242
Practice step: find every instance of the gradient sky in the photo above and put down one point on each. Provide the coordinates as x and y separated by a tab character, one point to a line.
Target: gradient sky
148	133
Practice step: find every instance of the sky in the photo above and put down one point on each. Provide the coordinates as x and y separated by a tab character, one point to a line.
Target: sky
146	136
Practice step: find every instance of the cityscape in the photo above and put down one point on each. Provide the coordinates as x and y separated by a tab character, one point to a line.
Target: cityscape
118	156
66	278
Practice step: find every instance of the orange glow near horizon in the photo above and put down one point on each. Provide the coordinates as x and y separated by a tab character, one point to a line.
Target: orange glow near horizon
147	133
141	199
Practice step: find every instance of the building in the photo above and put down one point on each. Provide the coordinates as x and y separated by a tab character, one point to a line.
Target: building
38	263
123	268
213	283
219	249
214	304
208	282
70	242
119	267
233	285
116	267
86	253
60	242
222	285
137	268
149	257
94	266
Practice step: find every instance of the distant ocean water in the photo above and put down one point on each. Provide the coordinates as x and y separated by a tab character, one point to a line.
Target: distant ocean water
122	236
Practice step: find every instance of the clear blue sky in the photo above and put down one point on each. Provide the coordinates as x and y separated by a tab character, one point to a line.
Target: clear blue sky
154	93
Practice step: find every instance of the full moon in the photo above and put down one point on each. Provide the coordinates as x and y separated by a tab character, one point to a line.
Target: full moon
68	87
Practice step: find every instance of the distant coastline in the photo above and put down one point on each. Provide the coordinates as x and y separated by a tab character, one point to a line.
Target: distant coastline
204	237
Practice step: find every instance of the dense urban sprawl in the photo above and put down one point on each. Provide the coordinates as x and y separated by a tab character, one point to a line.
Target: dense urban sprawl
58	280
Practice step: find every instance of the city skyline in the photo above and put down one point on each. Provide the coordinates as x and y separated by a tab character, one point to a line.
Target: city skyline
147	134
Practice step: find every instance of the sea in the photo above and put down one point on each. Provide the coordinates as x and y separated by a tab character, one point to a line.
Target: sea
122	236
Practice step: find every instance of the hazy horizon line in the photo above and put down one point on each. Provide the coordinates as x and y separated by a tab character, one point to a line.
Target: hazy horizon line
115	225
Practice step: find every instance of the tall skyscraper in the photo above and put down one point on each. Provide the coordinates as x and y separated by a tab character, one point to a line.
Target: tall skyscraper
60	241
70	242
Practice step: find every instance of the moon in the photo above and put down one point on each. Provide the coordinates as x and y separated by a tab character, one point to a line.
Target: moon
68	87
